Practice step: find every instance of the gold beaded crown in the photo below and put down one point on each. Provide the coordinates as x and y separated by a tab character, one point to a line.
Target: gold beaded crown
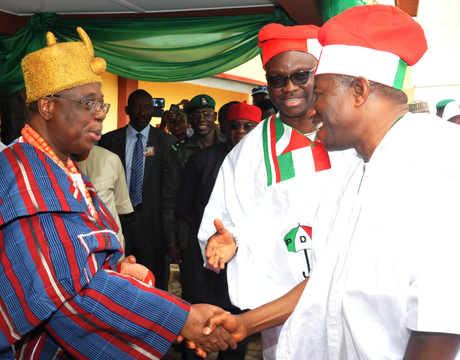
61	66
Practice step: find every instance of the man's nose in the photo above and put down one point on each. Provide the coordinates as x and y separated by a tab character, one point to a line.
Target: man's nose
289	86
100	115
311	112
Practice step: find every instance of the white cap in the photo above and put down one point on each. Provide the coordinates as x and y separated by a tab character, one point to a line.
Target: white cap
452	109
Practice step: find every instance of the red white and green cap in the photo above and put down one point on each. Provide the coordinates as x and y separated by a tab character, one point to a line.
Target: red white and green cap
276	38
374	41
243	111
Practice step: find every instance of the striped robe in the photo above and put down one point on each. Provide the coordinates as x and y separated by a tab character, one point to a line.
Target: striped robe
59	294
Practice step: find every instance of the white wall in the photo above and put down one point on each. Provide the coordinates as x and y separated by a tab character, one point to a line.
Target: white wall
437	75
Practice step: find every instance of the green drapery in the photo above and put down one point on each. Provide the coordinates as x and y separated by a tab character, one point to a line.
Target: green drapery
159	50
173	49
331	8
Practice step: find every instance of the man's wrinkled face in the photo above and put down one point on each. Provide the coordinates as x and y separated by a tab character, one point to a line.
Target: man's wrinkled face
291	100
203	121
73	128
331	114
238	129
140	111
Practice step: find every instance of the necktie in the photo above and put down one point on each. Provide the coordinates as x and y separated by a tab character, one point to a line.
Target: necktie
135	185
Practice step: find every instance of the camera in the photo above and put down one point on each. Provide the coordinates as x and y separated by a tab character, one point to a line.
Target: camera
159	102
174	109
158	105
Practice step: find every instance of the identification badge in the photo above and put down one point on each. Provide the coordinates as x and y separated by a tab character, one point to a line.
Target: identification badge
148	151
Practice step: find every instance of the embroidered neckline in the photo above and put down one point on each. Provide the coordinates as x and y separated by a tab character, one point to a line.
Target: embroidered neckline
36	140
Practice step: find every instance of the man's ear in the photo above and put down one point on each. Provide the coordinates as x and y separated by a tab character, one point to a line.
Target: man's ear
361	88
45	107
126	110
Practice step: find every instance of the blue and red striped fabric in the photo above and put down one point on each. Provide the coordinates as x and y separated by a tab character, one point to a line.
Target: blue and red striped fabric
59	293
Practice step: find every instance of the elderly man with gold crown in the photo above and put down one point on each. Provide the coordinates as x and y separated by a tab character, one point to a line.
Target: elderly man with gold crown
62	293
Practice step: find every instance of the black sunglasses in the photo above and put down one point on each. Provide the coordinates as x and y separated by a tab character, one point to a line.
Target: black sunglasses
298	78
236	126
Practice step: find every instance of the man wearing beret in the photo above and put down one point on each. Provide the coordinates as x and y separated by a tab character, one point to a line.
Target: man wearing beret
385	265
258	93
62	293
269	186
202	115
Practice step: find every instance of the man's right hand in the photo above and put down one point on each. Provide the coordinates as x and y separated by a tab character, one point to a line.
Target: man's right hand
221	246
234	324
199	315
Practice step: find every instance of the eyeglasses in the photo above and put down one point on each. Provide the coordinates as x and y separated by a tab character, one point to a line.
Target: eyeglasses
199	115
236	126
298	78
93	106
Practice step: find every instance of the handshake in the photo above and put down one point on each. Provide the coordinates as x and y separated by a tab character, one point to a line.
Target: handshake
207	329
210	329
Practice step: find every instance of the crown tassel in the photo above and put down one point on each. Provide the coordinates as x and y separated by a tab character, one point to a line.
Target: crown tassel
50	39
97	64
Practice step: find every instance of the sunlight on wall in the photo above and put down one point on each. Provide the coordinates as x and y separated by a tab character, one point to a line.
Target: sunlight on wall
173	93
110	91
252	70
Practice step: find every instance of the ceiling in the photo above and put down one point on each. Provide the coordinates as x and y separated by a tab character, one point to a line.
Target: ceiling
67	7
14	14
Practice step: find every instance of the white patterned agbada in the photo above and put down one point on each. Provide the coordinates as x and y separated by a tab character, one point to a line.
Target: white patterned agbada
385	250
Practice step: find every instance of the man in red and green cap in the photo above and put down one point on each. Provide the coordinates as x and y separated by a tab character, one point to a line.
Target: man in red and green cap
383	283
270	184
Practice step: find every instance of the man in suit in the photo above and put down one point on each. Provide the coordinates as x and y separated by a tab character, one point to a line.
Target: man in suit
144	234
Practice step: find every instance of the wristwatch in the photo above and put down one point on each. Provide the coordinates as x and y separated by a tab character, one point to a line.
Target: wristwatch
235	239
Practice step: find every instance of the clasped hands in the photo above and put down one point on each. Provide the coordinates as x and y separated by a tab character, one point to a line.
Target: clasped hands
219	329
208	328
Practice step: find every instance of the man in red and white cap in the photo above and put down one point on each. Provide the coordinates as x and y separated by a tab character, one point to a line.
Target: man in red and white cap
200	285
269	186
386	239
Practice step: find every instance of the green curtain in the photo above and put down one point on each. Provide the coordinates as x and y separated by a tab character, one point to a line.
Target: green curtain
332	8
159	50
